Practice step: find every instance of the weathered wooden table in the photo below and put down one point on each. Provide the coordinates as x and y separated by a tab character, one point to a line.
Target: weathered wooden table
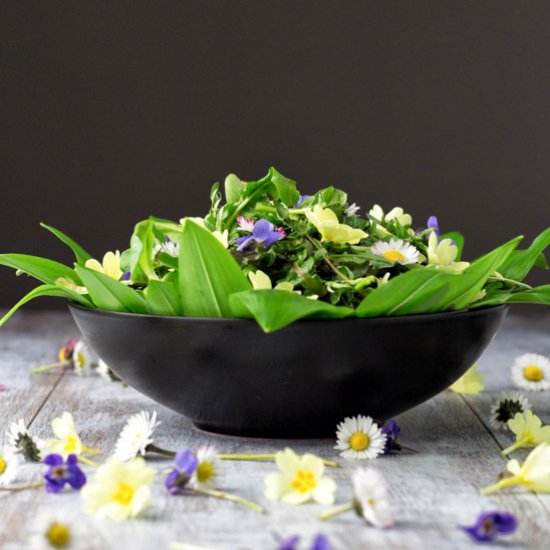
433	492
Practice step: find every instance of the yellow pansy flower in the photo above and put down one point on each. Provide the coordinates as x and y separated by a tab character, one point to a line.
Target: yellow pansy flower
470	382
110	265
326	222
443	254
529	431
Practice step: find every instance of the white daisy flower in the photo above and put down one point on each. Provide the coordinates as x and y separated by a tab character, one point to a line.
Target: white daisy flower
9	465
532	372
167	247
82	359
136	436
105	371
396	250
505	408
208	469
371	497
352	209
55	531
21	442
359	437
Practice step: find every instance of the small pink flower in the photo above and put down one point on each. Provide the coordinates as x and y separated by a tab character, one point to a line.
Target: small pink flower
246	224
281	231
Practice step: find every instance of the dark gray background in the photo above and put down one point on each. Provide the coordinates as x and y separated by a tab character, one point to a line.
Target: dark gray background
111	111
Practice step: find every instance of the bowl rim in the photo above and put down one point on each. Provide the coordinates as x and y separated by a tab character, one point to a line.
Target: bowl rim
386	319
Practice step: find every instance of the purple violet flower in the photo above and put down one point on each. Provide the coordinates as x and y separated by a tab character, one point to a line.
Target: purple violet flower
320	542
489	524
433	224
126	276
186	464
264	233
300	200
392	431
60	473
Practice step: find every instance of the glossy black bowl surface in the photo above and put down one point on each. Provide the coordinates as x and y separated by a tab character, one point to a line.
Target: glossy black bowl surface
230	377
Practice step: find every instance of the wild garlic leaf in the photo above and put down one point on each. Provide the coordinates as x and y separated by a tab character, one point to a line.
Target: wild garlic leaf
80	254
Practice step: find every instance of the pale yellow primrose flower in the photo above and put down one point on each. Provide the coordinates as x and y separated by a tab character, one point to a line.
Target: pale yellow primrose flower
470	382
110	265
534	475
529	431
396	213
69	441
222	237
443	254
301	479
120	490
261	281
326	222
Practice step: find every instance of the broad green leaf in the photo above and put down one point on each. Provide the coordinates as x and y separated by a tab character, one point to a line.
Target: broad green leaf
275	309
80	254
106	293
208	274
233	188
141	255
283	188
518	265
42	269
163	297
541	262
458	239
537	295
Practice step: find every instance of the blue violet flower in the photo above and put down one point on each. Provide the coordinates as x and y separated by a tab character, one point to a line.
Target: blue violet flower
186	464
264	233
60	473
320	542
490	524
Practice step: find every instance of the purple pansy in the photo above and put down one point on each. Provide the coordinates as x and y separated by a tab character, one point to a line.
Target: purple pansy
392	431
60	473
264	233
126	276
300	200
320	542
186	464
489	524
433	224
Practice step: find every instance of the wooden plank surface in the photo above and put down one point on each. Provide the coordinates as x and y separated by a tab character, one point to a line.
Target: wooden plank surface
433	492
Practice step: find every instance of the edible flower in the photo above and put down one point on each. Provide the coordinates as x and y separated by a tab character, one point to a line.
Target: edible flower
261	281
442	254
168	247
120	490
490	524
433	224
396	250
9	465
136	436
110	265
185	466
528	430
505	408
264	233
352	209
22	443
300	479
534	474
208	467
62	472
82	359
326	222
531	371
392	431
359	437
320	542
54	531
69	441
470	382
245	224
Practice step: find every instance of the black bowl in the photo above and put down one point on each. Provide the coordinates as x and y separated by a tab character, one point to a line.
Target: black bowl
230	377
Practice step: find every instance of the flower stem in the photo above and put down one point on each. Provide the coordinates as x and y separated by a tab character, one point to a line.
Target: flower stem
506	482
151	448
519	443
326	462
87	461
410	449
23	487
337	511
328	261
51	366
232	498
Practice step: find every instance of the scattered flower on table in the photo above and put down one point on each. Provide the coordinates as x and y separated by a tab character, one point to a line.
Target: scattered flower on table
61	473
392	431
490	524
263	233
66	351
326	222
320	542
531	371
371	500
443	254
352	209
300	479
106	372
471	382
396	250
22	443
533	475
9	465
109	266
58	530
119	490
69	441
528	430
136	436
185	466
82	359
208	467
359	437
507	404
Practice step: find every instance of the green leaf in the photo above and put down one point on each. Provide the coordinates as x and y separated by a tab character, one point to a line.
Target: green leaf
519	263
233	188
537	295
42	269
283	188
80	254
163	297
458	238
106	293
141	255
541	261
275	309
208	274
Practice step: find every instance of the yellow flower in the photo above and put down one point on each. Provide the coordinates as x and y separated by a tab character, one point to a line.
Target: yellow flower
69	441
471	382
120	490
261	281
222	237
110	265
326	222
534	475
529	431
396	213
301	479
443	254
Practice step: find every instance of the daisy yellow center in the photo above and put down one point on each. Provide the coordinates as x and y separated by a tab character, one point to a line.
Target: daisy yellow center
359	441
533	373
3	465
304	481
80	360
124	494
394	256
58	535
62	354
205	472
70	446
